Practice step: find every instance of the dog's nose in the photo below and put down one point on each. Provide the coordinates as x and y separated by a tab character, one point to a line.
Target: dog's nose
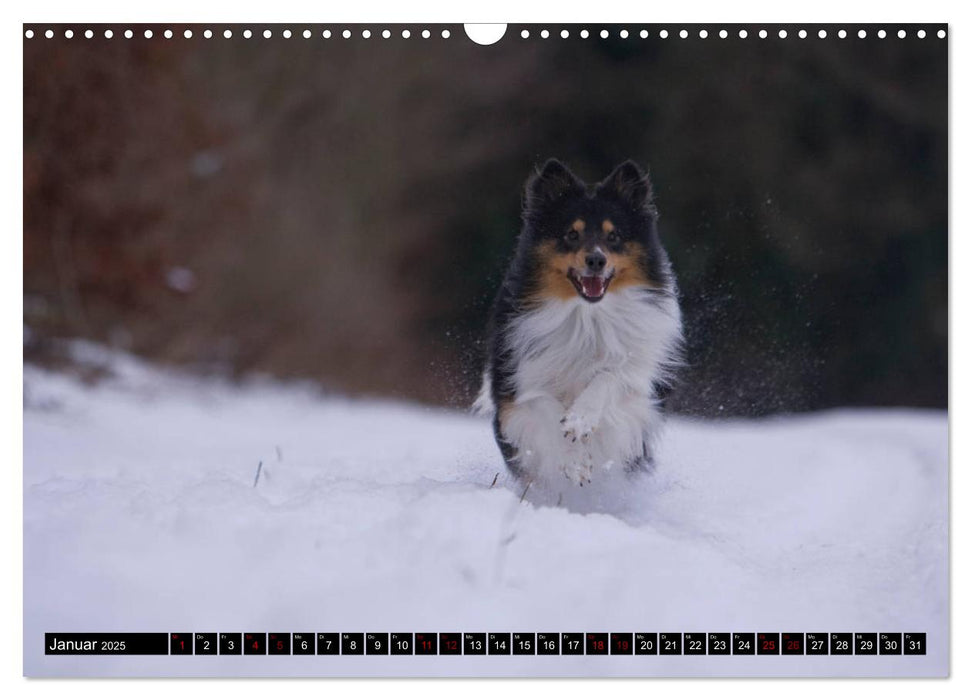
596	261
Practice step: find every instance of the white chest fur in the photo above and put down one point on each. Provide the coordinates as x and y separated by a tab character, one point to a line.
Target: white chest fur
561	346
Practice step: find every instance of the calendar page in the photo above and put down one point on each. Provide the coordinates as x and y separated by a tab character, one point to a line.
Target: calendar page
533	350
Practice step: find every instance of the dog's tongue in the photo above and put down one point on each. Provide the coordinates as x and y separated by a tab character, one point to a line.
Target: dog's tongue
593	286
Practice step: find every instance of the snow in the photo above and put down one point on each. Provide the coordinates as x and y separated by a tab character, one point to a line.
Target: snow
141	514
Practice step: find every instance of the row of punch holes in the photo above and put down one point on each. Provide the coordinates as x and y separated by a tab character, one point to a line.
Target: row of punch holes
524	34
246	34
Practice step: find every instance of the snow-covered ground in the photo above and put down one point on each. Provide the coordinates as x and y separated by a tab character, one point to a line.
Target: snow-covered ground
141	514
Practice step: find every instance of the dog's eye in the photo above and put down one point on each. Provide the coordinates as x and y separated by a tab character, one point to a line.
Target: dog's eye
612	237
572	236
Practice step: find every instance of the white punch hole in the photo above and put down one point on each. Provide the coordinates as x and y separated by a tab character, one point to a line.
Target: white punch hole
487	34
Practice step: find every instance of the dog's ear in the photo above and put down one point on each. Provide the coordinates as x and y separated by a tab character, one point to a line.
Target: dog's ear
551	182
629	184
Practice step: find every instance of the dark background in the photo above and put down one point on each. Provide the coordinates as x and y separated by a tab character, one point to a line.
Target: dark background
342	210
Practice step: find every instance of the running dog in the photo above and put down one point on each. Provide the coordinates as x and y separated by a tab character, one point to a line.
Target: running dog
585	330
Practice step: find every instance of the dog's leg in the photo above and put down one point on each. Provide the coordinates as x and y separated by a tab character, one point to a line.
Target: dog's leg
507	449
643	463
531	427
587	410
621	425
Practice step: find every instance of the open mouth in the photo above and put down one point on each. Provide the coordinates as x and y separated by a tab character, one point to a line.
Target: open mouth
590	287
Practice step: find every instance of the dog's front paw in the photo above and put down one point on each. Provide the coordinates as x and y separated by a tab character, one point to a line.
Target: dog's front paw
579	468
577	426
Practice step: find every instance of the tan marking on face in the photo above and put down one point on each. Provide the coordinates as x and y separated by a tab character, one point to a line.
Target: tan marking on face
608	226
579	226
552	281
629	268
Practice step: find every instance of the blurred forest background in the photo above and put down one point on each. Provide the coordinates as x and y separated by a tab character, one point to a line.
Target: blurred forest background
342	210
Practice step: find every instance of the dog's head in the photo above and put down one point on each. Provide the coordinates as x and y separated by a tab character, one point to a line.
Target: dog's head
588	240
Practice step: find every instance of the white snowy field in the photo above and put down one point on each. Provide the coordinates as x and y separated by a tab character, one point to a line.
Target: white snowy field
141	514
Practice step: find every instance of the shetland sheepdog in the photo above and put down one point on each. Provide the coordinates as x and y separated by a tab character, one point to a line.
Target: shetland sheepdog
585	330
